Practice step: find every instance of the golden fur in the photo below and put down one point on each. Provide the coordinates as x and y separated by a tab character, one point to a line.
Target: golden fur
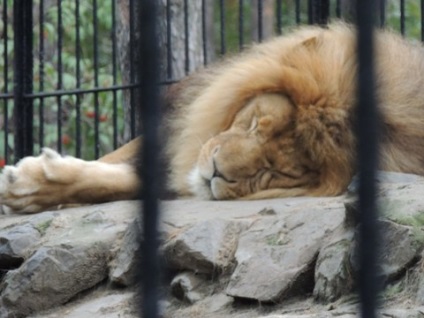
274	121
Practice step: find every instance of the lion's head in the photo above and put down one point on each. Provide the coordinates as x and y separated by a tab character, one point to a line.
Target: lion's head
255	155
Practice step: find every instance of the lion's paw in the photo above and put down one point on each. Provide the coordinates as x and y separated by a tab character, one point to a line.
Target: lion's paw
37	183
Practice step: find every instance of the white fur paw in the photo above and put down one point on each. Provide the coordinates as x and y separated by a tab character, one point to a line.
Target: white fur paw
34	183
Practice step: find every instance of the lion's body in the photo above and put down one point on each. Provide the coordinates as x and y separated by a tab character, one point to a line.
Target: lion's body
275	121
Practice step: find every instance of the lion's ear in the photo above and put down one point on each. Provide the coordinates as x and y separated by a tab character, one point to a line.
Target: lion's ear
310	43
265	125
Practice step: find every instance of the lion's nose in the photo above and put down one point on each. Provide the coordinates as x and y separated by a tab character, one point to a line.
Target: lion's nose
218	174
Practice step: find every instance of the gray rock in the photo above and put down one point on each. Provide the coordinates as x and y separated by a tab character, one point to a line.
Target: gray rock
206	247
123	268
352	213
333	273
320	315
216	303
276	241
105	305
16	243
275	257
4	312
402	313
52	276
387	177
420	290
189	287
400	249
42	222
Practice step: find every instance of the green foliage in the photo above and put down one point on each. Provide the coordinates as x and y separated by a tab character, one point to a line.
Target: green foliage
50	69
412	18
47	76
46	63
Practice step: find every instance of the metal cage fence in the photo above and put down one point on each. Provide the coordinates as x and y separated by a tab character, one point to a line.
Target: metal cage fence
35	43
367	157
68	78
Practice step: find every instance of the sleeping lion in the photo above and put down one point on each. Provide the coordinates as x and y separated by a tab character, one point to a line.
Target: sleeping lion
274	121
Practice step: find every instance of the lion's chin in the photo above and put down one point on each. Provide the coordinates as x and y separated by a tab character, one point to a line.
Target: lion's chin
200	186
204	188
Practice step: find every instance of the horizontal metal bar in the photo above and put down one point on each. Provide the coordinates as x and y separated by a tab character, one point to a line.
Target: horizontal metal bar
82	91
6	96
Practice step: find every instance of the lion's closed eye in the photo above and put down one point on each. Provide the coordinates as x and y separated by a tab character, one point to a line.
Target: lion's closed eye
254	124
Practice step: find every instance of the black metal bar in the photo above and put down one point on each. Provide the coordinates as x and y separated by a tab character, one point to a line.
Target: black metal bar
132	75
114	76
168	40
96	82
241	24
78	137
297	11
324	12
319	11
402	17
6	81
59	74
41	74
186	39
338	9
80	91
310	12
382	13
367	132
204	34
279	17
23	77
422	20
222	26
260	21
149	170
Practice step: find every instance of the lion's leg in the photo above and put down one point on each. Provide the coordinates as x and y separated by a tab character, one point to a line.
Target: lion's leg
38	183
124	154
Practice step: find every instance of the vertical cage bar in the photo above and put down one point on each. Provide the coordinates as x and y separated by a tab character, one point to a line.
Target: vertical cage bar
23	77
241	24
318	11
114	78
310	12
297	11
222	26
367	133
382	13
132	65
96	82
59	85
422	20
186	39
41	74
402	17
338	9
260	21
78	80
168	40
204	34
5	79
279	12
148	73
